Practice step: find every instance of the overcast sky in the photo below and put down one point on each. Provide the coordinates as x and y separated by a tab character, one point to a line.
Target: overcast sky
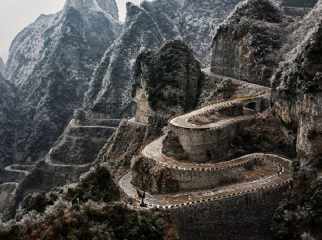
17	14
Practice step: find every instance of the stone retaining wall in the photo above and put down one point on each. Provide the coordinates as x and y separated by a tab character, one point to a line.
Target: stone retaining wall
245	217
200	177
212	141
238	215
203	145
186	179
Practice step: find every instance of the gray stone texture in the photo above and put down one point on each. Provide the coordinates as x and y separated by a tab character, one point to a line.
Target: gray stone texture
297	99
167	82
148	26
51	62
239	218
246	45
9	119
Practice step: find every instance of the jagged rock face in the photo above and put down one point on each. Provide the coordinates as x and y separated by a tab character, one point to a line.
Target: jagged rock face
110	88
8	121
264	135
105	6
2	67
246	45
198	22
297	99
148	27
73	154
51	61
172	147
167	81
166	14
299	3
297	88
126	144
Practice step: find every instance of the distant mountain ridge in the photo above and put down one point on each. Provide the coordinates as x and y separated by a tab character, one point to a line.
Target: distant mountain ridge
51	62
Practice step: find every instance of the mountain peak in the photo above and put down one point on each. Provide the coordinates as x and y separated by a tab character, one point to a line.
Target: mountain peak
106	6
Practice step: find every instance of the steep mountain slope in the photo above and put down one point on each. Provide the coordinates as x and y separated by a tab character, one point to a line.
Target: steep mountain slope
8	120
51	61
247	45
148	27
90	209
167	82
297	98
199	20
110	88
2	67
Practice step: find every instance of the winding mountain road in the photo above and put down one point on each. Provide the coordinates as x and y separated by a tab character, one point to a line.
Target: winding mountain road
15	169
276	178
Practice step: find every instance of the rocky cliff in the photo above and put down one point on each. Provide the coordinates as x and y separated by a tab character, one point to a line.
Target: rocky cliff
246	46
2	67
81	141
148	27
51	61
297	98
167	82
160	75
110	88
8	121
198	22
297	87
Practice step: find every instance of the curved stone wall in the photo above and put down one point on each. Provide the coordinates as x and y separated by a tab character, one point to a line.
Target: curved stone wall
157	173
244	217
212	141
213	144
223	215
193	172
